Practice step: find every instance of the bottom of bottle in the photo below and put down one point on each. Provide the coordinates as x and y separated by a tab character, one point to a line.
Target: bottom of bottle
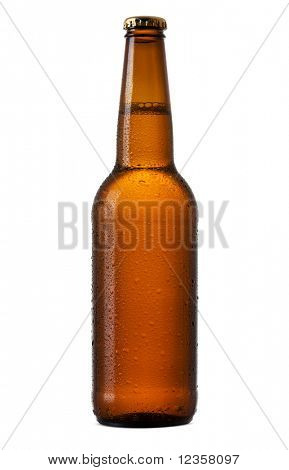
144	420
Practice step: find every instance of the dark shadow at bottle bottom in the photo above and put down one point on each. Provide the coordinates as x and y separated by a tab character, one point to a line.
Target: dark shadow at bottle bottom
144	420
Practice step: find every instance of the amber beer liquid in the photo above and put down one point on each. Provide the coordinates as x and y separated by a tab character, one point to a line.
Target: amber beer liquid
144	255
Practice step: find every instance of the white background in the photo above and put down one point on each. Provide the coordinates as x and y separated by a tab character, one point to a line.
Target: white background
45	158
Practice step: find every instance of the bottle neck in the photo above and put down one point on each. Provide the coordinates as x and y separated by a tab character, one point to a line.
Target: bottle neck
144	137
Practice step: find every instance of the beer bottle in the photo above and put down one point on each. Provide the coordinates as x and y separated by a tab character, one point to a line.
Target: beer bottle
144	284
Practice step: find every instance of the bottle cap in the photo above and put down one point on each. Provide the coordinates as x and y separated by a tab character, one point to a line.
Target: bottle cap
144	22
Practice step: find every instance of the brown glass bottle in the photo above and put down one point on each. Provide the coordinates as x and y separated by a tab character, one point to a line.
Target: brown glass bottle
144	255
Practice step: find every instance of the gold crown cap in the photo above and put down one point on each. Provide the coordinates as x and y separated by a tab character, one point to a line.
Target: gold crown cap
144	22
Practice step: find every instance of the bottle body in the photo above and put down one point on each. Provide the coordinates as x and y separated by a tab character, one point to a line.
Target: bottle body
144	275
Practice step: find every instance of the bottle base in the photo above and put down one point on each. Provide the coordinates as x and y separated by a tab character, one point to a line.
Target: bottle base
144	420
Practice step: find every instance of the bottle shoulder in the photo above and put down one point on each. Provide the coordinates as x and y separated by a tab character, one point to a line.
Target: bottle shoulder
145	184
